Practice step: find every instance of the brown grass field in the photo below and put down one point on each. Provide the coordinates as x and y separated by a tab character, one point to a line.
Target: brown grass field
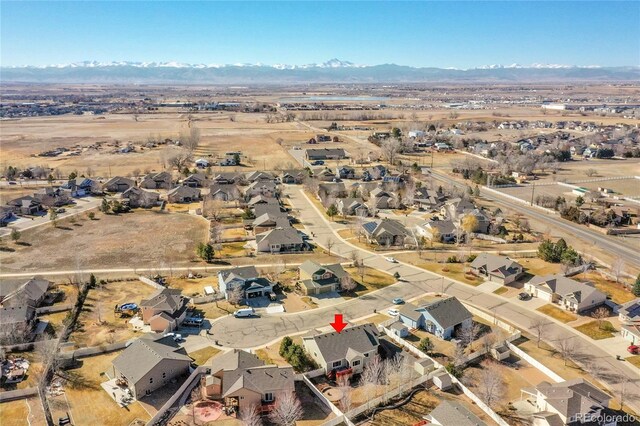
22	412
139	239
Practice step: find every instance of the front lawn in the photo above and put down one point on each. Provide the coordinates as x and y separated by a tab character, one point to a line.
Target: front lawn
595	331
372	280
557	313
501	290
201	356
634	360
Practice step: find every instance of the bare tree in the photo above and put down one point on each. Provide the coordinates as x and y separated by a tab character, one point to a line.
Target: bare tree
180	160
329	243
618	269
215	231
235	295
191	140
347	283
212	208
390	149
491	386
250	416
567	349
468	335
488	341
591	172
599	315
288	410
539	327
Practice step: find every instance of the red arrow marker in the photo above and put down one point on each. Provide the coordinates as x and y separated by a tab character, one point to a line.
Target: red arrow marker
338	324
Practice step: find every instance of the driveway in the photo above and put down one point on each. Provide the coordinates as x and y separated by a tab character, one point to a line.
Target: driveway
245	333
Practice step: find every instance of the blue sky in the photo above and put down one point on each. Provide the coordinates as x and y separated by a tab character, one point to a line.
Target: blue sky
442	34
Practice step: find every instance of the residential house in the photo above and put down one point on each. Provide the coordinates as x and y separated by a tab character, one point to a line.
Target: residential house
374	173
165	310
399	329
262	200
457	209
16	322
271	207
352	207
229	160
450	413
225	192
52	197
569	294
245	278
293	176
140	198
629	313
315	278
242	381
280	240
262	187
443	317
388	232
441	230
499	269
202	163
26	205
18	293
347	352
196	180
381	199
79	187
151	362
631	332
325	154
6	215
270	220
330	192
260	176
118	184
229	177
571	402
162	180
346	172
183	194
325	175
428	199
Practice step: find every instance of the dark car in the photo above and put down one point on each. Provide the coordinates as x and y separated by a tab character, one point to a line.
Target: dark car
524	296
317	163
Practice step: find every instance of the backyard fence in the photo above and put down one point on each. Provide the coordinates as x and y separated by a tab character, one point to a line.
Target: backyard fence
150	282
531	360
53	309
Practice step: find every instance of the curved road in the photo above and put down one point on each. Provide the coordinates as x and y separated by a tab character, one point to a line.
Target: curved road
253	332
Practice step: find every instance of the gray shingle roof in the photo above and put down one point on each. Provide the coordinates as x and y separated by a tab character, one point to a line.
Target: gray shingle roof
145	353
447	312
16	314
451	413
243	272
166	299
30	290
334	346
286	235
573	396
495	264
565	287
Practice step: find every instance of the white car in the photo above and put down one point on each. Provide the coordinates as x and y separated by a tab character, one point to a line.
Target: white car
393	312
390	259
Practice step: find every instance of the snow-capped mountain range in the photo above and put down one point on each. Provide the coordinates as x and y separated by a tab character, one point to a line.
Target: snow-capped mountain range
332	71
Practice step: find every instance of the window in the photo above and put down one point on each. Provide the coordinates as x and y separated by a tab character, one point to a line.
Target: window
337	364
164	375
268	397
356	363
150	379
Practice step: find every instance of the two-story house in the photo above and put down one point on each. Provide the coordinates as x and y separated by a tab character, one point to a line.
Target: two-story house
315	278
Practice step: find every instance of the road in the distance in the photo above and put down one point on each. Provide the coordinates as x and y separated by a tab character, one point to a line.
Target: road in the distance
248	333
615	246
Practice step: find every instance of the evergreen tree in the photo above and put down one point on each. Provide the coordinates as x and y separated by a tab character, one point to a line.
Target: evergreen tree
636	287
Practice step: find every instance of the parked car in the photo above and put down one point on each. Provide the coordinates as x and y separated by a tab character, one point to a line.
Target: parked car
318	163
398	301
61	210
243	313
633	349
390	259
12	182
393	312
524	296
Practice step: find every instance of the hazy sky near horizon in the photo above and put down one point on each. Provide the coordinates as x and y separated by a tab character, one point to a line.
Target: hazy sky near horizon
440	34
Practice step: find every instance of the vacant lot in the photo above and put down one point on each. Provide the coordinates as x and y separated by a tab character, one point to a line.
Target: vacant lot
140	239
454	271
87	402
98	324
22	412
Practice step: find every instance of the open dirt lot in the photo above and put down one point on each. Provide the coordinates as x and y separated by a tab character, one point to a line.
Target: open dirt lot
143	238
98	324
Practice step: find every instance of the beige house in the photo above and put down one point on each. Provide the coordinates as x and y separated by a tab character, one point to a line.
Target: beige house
165	310
242	380
315	278
140	198
569	294
348	351
150	362
160	180
499	269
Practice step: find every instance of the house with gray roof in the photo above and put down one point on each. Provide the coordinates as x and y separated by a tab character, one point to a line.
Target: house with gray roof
241	381
263	199
149	363
428	198
329	192
352	207
162	180
26	205
196	180
438	230
270	220
443	317
279	240
245	278
381	199
16	322
225	192
259	175
183	194
352	348
293	176
386	232
571	402
118	184
629	313
314	278
165	310
450	413
499	269
325	154
569	294
19	293
267	188
140	198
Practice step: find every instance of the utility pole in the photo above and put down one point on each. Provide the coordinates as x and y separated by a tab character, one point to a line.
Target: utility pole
533	188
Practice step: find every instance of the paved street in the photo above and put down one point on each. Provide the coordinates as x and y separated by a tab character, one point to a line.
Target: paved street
254	332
